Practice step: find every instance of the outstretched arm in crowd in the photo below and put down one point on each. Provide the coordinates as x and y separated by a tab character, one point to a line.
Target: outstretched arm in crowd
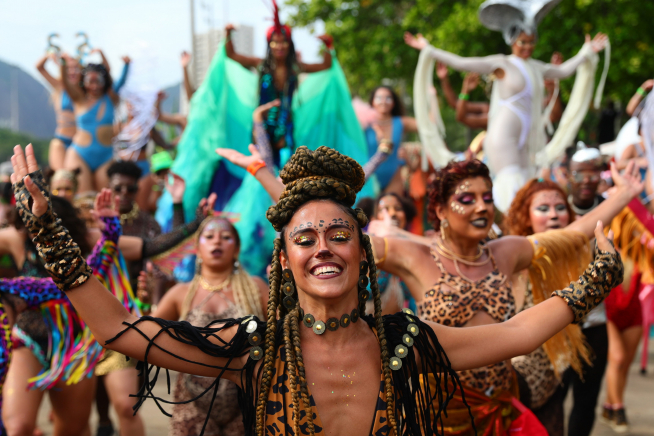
246	61
90	298
40	66
188	87
448	92
257	167
640	94
326	57
472	114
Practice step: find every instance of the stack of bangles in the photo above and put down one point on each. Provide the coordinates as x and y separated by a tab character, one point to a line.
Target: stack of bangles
386	146
255	166
641	91
465	97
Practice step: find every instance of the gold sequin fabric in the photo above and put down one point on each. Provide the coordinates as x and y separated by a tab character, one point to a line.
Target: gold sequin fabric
61	256
595	284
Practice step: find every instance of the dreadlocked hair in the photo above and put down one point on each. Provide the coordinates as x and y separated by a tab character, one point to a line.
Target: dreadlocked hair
313	175
247	296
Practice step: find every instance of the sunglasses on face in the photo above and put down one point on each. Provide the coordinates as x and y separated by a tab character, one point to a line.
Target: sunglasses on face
283	44
579	176
131	189
89	81
62	191
383	99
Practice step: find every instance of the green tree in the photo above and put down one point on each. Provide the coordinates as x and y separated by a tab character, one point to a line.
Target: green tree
369	44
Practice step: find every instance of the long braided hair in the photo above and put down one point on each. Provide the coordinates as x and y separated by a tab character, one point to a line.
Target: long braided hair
313	175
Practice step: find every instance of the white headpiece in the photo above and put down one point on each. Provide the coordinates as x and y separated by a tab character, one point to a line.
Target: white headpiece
514	16
585	154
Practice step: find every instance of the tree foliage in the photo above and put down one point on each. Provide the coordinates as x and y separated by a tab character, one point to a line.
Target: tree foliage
369	44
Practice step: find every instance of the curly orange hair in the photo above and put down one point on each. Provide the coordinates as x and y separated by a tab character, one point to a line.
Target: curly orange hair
517	219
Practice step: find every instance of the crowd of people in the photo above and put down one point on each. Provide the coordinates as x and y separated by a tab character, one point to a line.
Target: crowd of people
133	250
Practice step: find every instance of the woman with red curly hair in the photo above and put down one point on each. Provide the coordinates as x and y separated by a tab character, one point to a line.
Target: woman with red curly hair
460	280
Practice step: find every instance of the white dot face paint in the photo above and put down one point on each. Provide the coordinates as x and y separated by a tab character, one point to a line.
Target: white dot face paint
548	211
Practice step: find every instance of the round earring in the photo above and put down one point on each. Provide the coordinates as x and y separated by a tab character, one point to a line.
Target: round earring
363	282
288	288
237	265
444	225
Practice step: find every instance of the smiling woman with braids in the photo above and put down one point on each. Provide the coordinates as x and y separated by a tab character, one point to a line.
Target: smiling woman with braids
294	374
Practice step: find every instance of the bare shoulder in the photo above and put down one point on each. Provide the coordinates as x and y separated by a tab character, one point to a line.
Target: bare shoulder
508	250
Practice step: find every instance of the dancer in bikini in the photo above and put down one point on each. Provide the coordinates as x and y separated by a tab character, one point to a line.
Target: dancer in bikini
63	105
319	269
93	103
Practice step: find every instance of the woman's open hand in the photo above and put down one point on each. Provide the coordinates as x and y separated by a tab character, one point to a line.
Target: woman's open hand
598	43
603	241
238	158
104	205
24	164
418	42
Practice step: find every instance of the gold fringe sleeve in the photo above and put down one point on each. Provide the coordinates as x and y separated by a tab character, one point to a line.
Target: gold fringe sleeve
631	238
560	256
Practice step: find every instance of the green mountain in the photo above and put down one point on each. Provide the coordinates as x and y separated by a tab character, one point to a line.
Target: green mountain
9	139
25	104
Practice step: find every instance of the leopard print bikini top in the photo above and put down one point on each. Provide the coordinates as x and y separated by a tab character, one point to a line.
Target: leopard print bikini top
279	409
453	301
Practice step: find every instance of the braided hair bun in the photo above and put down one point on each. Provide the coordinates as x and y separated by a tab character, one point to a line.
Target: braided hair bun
310	175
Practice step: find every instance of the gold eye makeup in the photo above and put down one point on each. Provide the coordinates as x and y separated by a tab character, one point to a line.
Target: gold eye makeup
341	235
302	240
463	187
457	208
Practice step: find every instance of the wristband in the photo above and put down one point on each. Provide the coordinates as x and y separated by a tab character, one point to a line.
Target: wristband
641	91
464	96
385	148
142	306
255	166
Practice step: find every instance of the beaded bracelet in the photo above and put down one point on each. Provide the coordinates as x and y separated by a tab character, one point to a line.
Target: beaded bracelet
255	166
464	96
641	91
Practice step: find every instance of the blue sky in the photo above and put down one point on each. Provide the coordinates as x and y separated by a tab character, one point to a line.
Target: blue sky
160	28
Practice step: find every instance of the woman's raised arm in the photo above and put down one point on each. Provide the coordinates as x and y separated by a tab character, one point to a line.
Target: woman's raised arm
474	347
104	314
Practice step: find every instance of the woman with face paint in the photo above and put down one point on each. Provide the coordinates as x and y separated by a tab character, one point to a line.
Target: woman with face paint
293	370
459	280
221	289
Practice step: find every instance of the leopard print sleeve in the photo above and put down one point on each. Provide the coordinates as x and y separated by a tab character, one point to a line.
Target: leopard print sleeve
595	284
61	256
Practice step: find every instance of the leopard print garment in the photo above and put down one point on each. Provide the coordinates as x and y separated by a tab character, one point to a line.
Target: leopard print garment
279	409
536	369
453	301
225	418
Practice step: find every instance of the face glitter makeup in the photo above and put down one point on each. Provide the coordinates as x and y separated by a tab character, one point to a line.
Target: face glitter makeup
301	239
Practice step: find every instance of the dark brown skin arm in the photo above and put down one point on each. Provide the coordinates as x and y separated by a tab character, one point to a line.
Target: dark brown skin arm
246	61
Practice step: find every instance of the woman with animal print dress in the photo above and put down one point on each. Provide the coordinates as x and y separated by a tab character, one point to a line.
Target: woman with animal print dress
459	280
